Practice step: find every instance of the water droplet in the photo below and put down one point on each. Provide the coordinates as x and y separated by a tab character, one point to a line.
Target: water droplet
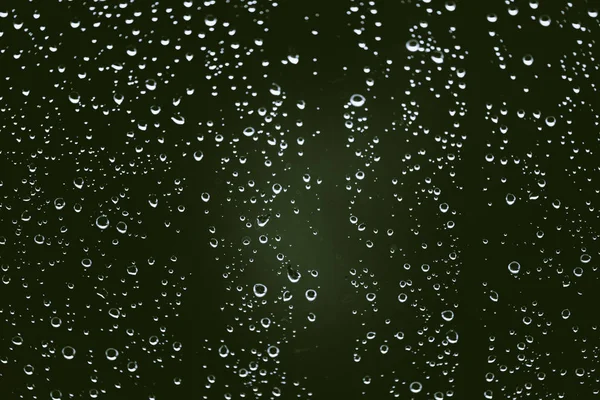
132	366
210	20
223	351
514	267
260	290
452	336
510	199
494	296
118	98
416	387
412	45
74	97
68	352
293	274
262	220
265	322
178	119
357	100
78	182
275	89
287	295
437	57
132	270
111	354
450	5
545	20
102	222
121	227
448	315
151	84
59	203
273	351
556	204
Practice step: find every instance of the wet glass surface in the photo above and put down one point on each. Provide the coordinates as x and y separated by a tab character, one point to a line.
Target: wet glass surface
299	199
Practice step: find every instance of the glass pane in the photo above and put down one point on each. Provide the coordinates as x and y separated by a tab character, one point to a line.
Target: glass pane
299	199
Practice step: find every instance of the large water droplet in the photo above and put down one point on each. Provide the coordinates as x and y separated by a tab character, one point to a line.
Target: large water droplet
510	199
102	222
68	352
210	20
416	387
448	315
260	290
514	267
111	354
545	20
437	57
357	100
273	351
311	294
223	351
74	97
412	45
452	336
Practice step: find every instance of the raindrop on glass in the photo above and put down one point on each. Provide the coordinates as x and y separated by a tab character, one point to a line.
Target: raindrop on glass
260	290
357	100
514	267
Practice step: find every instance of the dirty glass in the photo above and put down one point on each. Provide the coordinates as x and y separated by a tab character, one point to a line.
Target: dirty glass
260	199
